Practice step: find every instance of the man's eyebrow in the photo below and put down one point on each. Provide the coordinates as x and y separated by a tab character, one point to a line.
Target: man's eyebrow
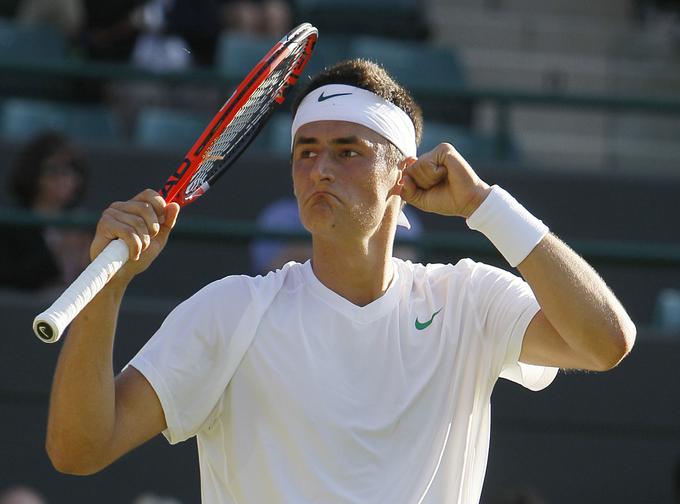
306	140
346	140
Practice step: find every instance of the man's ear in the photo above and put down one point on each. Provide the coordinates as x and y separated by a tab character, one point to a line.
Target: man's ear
402	166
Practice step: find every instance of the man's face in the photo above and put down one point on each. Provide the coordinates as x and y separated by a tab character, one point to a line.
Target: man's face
341	177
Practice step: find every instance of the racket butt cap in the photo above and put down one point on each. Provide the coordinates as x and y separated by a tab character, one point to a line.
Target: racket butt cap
47	331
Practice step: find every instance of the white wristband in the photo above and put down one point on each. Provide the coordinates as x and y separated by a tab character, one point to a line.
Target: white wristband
509	226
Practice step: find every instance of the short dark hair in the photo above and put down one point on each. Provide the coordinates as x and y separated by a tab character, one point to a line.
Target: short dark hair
29	166
367	75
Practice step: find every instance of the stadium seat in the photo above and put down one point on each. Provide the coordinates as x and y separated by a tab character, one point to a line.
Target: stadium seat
30	43
238	53
178	130
471	144
329	50
277	135
173	129
429	72
21	119
418	66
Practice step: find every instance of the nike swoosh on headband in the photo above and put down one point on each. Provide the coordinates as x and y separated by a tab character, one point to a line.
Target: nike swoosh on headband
324	98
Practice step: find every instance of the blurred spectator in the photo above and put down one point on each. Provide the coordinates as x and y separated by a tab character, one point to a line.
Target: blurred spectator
66	15
170	35
21	495
268	18
198	23
282	215
176	33
159	34
48	179
156	48
156	34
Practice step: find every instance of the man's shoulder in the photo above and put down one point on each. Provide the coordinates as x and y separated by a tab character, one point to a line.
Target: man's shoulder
236	293
466	275
435	271
252	285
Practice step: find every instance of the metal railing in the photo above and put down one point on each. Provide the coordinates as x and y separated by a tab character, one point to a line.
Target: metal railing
614	252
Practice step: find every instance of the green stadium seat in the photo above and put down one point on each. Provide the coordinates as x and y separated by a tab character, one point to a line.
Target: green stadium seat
277	135
237	54
472	145
30	43
416	65
178	130
329	50
431	73
31	46
174	129
21	118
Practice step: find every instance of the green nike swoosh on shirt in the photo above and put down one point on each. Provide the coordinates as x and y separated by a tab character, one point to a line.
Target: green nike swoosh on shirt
424	325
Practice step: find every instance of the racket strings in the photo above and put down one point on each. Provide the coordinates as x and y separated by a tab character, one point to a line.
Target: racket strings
245	124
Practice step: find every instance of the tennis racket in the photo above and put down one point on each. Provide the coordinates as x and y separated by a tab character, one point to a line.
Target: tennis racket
227	136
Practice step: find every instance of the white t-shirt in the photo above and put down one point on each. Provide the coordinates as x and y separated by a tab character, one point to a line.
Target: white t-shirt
336	403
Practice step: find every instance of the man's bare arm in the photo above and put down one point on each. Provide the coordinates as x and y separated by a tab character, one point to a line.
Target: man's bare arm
93	418
581	324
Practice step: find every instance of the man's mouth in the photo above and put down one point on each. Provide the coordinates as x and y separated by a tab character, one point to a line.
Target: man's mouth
321	194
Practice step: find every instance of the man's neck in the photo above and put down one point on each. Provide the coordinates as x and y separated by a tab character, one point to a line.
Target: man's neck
360	272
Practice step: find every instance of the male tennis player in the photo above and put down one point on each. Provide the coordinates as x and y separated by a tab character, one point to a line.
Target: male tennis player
366	379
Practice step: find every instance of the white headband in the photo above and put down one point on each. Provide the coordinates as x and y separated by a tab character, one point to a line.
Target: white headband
340	102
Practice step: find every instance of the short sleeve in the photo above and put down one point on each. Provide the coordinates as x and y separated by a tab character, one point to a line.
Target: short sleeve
185	360
506	305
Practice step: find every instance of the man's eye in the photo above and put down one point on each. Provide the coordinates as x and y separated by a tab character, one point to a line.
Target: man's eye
349	153
307	154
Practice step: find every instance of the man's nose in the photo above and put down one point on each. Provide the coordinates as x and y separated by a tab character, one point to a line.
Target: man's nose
323	169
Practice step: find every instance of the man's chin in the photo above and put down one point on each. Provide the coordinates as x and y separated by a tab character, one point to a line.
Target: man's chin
317	212
320	226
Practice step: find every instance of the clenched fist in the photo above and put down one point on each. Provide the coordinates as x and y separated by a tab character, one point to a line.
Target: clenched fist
442	182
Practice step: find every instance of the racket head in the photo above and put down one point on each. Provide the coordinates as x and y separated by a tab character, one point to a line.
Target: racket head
242	116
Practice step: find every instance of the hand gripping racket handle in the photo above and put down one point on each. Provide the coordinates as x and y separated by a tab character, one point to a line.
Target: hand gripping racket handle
50	324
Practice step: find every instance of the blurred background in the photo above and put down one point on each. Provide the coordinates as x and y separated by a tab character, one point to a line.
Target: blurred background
571	105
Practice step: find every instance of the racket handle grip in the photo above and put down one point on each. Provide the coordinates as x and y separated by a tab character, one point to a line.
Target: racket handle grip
49	325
